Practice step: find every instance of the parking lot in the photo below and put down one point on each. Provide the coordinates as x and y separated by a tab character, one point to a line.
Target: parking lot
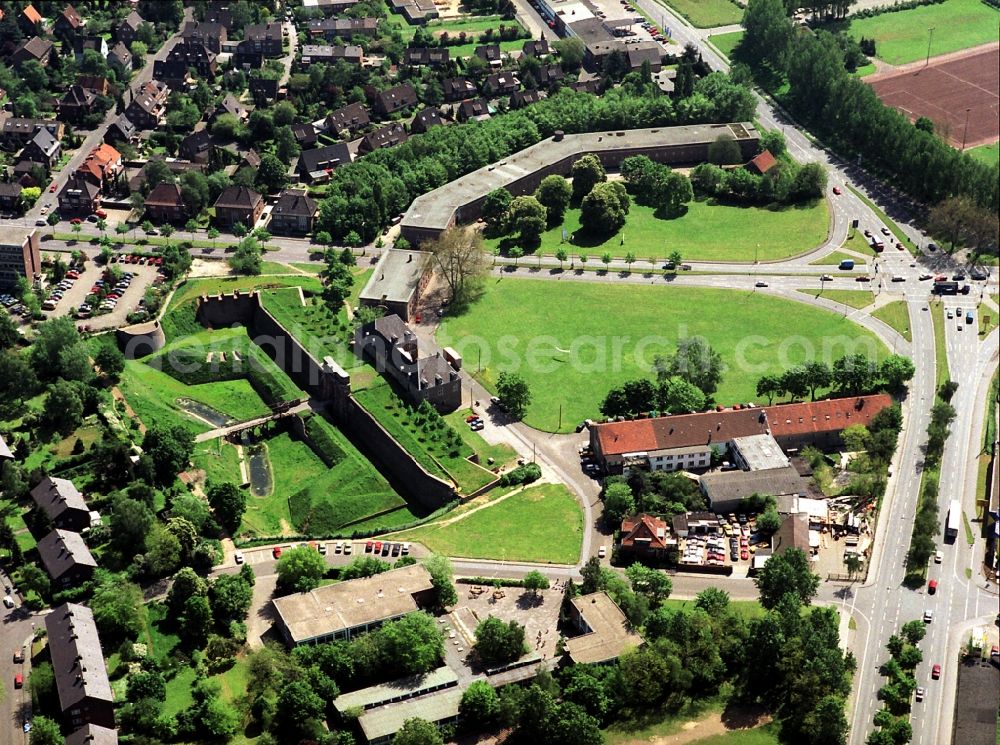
734	541
143	276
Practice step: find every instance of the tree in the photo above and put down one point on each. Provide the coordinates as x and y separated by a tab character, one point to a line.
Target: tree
787	572
675	191
854	374
418	731
57	350
768	522
514	394
119	611
826	723
230	597
169	449
571	52
413	643
895	371
441	577
724	151
678	396
914	631
817	375
298	710
45	731
480	702
111	361
619	503
246	259
795	381
229	502
604	208
652	583
495	209
131	522
146	684
272	174
63	410
185	584
300	569
773	141
767	37
554	193
770	386
713	601
9	332
561	255
499	642
587	172
694	361
534	581
530	216
809	182
195	191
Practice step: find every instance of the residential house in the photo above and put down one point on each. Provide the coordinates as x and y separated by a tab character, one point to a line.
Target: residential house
312	54
646	537
520	99
534	48
76	104
19	130
395	99
342	28
458	89
20	256
95	84
317	164
119	56
350	118
293	213
476	108
231	105
102	166
490	54
35	48
62	503
82	684
501	84
148	108
549	75
263	89
305	134
91	42
68	23
79	195
761	163
387	136
128	29
398	282
194	56
28	173
639	54
121	130
264	38
66	558
10	201
211	35
92	734
604	632
247	58
238	204
196	147
426	56
427	118
594	86
43	148
164	204
30	21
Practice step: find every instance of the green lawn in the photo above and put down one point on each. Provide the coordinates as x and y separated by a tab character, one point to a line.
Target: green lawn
940	348
708	13
726	43
219	461
707	232
902	36
193	288
988	154
543	524
584	337
897	315
853	298
746	608
865	70
766	735
835	257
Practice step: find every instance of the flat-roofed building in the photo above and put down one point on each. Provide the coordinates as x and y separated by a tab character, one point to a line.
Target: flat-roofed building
82	684
380	725
66	558
604	630
461	200
401	689
62	503
757	453
20	255
349	608
399	279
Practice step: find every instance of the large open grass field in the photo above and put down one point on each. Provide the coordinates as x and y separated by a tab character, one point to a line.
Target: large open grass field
726	43
707	13
707	232
573	341
543	523
902	37
988	154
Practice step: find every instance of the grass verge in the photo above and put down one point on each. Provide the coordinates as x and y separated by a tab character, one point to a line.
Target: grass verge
940	347
988	154
835	257
726	43
707	13
897	315
888	221
852	298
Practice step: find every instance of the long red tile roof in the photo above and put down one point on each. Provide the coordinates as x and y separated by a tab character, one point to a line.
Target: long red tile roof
831	415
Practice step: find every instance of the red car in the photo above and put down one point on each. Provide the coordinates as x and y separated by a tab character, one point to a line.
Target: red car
52	188
936	672
101	213
75	221
276	552
378	547
744	554
368	547
932	587
836	190
19	681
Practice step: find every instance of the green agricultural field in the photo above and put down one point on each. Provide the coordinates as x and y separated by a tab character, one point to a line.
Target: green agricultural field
853	298
726	43
543	523
707	13
707	232
573	341
988	154
897	315
902	37
435	444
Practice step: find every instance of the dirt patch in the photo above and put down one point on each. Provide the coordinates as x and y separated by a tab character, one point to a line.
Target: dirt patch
718	723
208	268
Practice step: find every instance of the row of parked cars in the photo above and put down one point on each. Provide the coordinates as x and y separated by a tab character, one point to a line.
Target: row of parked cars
60	289
137	259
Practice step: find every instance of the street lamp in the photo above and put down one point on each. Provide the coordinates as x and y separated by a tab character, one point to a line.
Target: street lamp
966	132
930	35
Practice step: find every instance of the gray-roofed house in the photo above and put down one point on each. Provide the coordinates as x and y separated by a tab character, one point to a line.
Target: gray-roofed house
792	533
238	204
76	103
426	56
314	53
264	38
476	108
501	84
67	23
458	89
90	42
394	99
318	163
66	558
520	99
342	28
128	30
305	134
605	632
121	130
120	56
42	148
10	200
35	48
490	54
294	212
380	725
346	609
92	734
148	106
549	75
539	48
79	195
350	118
82	684
5	453
387	136
196	147
231	105
650	52
427	118
399	279
62	503
212	35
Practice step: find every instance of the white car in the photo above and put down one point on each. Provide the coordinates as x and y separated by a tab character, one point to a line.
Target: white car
602	552
928	616
8	601
938	557
238	556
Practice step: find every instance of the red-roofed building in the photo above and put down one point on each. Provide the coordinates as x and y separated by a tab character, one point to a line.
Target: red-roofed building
761	164
820	423
102	165
647	537
30	20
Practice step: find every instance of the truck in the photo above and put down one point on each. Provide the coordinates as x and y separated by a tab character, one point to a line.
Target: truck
945	287
954	516
847	264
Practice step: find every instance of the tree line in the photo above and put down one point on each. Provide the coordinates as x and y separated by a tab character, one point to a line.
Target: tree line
846	112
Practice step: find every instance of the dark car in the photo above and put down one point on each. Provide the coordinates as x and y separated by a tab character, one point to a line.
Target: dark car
958	277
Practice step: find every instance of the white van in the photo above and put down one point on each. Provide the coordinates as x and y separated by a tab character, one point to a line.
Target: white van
8	601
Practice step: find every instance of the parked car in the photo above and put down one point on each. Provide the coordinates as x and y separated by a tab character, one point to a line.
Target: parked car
8	601
760	284
276	552
938	557
406	549
368	547
836	190
19	681
19	655
348	548
238	556
378	547
602	552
